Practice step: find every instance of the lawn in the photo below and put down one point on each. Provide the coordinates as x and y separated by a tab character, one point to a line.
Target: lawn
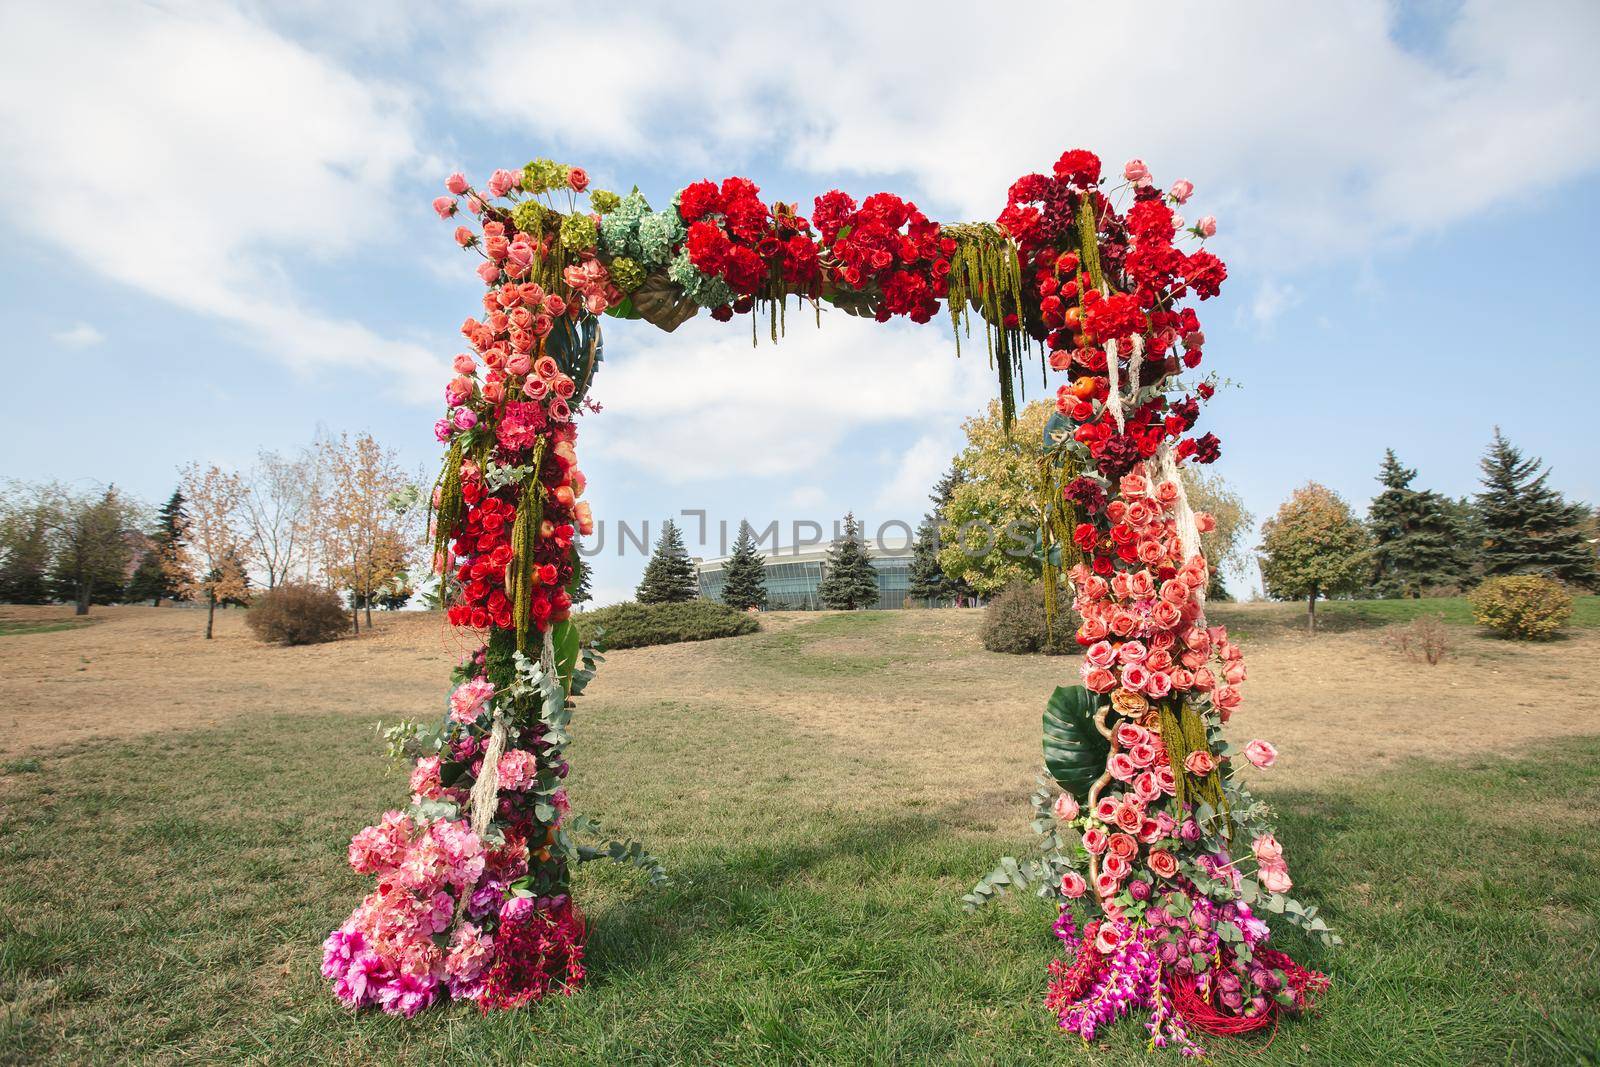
165	894
1343	615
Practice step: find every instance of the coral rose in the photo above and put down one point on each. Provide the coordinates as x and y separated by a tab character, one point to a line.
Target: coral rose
1162	862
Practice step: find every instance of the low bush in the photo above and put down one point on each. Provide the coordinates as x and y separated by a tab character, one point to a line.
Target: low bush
1014	622
1529	607
634	625
1425	638
297	615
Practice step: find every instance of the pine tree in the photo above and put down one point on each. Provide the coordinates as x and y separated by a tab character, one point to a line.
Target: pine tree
23	575
579	587
951	586
1417	542
744	577
849	581
1528	528
154	579
927	577
669	577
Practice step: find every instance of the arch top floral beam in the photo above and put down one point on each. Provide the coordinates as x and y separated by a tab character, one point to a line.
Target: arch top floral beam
1141	812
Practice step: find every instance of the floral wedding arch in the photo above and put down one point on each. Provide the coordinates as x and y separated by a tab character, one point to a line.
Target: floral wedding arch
1145	831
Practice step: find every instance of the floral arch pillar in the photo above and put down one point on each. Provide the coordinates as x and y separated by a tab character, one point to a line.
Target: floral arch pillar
1145	832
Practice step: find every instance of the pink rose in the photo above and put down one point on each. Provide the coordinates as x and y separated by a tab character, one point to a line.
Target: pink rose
1109	937
445	206
1114	865
1130	734
464	237
1275	878
1181	190
500	182
535	388
1182	680
1094	840
1105	809
1207	226
1106	886
489	272
559	411
1100	654
1122	767
1147	787
1143	754
1065	807
456	183
1135	677
578	178
1073	885
1261	753
1166	779
465	419
1159	685
464	364
1267	849
1200	763
1163	863
1203	679
1134	170
519	364
1132	652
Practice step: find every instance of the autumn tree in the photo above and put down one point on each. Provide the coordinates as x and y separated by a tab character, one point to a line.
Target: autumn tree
1313	547
214	550
849	581
991	517
360	518
277	510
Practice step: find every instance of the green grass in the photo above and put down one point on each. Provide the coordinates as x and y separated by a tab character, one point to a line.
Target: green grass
164	900
845	644
13	627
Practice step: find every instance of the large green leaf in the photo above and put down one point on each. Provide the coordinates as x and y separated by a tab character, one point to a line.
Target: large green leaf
565	639
1074	751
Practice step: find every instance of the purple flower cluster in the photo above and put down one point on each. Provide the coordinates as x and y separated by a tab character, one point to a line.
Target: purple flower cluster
1131	980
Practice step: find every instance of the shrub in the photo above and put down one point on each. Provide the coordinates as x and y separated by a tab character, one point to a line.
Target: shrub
634	625
297	615
1529	607
1425	637
1014	622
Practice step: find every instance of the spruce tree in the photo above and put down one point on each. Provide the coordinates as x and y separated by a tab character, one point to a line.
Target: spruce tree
669	577
951	587
849	581
927	577
580	588
1418	543
744	577
1528	528
23	574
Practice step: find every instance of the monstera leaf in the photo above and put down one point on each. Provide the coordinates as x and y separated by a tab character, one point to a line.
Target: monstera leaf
577	348
661	303
1074	751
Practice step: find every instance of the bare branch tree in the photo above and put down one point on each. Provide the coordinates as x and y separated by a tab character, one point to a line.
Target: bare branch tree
277	506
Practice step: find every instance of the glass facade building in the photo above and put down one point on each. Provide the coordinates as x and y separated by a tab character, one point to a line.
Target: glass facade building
793	576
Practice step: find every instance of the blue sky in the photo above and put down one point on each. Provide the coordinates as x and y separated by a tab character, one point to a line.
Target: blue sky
218	239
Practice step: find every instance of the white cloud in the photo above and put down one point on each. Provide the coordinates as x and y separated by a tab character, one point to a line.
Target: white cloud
906	494
1272	298
704	403
1310	131
807	496
80	335
191	153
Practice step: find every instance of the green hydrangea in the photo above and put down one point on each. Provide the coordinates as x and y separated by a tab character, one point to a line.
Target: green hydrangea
529	216
604	201
578	232
626	274
619	229
543	175
660	232
707	290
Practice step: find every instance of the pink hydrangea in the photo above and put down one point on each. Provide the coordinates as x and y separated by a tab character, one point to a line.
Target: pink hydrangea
469	699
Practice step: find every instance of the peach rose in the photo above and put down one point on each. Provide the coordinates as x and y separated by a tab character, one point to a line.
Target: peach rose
1267	849
1275	878
1167	493
1162	863
1073	885
1200	763
1129	816
1098	679
1065	807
